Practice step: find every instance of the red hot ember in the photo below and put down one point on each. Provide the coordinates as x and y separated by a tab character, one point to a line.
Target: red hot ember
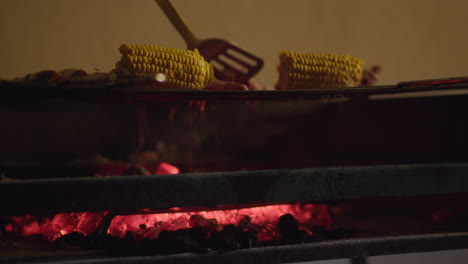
51	228
261	219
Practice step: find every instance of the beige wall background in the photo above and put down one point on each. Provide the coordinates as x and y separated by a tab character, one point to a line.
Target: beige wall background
414	39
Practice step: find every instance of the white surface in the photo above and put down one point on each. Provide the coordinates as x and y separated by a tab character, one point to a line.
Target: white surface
439	257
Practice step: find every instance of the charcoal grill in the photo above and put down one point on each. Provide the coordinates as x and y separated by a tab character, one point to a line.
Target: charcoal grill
357	145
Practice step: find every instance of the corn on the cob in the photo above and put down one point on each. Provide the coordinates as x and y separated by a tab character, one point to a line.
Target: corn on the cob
314	70
181	68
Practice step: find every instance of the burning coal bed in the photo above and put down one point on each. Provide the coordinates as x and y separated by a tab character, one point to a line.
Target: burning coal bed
178	230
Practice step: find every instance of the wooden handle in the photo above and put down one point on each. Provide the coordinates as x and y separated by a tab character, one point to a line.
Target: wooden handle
178	23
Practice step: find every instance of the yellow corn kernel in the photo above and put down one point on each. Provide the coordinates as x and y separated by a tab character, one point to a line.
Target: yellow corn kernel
183	68
315	70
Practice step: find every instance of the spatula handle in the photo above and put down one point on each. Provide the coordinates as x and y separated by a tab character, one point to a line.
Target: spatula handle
178	23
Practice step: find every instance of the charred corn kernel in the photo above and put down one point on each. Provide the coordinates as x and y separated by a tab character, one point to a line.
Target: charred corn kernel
183	68
315	70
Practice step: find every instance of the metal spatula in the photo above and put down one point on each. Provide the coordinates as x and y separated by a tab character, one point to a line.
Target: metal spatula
230	62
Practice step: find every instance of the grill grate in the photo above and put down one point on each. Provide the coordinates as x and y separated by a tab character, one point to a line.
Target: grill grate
229	188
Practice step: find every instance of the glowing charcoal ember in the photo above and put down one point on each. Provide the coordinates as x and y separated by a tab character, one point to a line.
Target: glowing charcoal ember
232	228
166	168
207	225
9	228
6	225
58	225
262	219
147	232
145	168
